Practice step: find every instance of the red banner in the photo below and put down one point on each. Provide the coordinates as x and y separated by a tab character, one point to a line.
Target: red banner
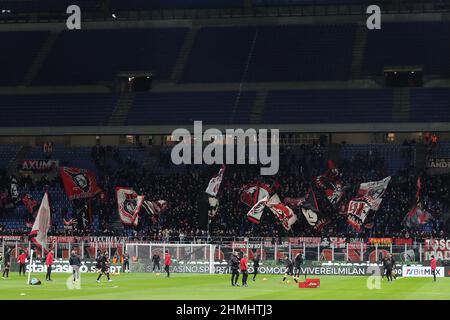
79	183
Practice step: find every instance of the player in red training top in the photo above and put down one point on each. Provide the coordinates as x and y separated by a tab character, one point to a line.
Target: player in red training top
433	267
167	263
22	259
49	263
244	267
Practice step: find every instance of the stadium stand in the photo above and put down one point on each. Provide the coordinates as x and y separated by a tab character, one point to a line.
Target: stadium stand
96	56
8	153
17	52
185	108
302	53
409	44
430	104
327	106
56	110
286	53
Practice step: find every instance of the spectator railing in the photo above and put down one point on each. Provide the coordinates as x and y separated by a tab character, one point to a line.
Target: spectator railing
354	252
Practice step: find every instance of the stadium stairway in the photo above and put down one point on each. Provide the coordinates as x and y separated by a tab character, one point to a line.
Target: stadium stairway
257	112
401	105
184	54
358	52
39	58
120	113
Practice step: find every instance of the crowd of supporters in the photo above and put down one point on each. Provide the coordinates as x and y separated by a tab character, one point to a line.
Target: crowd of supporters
182	189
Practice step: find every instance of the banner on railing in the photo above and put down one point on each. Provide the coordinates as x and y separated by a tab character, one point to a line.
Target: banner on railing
438	165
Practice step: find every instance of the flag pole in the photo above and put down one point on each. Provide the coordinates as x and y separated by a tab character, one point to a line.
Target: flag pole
29	270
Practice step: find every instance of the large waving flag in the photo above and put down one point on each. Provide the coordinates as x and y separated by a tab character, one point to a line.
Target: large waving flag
214	183
285	214
129	205
256	196
41	225
373	192
357	212
312	213
331	184
79	183
416	217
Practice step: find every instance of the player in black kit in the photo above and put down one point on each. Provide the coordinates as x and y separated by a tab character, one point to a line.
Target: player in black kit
6	263
393	274
289	269
104	267
255	266
234	265
126	262
155	259
298	261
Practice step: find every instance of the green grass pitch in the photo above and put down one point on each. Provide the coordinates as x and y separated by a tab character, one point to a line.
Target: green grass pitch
140	286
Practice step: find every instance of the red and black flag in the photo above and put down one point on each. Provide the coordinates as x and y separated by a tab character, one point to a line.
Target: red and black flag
79	183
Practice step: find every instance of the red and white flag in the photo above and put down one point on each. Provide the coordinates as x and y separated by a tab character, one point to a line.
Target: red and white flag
214	183
38	234
129	204
373	192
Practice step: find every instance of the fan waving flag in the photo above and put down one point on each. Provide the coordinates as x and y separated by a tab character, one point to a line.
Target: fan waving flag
285	214
79	183
330	184
129	205
214	183
312	213
416	217
373	192
38	234
357	212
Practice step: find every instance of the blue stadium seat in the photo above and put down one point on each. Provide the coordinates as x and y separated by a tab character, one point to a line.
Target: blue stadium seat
329	106
18	50
57	109
430	105
185	108
409	44
96	56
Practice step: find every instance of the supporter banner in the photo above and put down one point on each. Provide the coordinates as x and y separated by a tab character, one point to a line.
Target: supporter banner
79	183
39	166
74	239
440	248
422	272
11	238
438	165
380	241
401	242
